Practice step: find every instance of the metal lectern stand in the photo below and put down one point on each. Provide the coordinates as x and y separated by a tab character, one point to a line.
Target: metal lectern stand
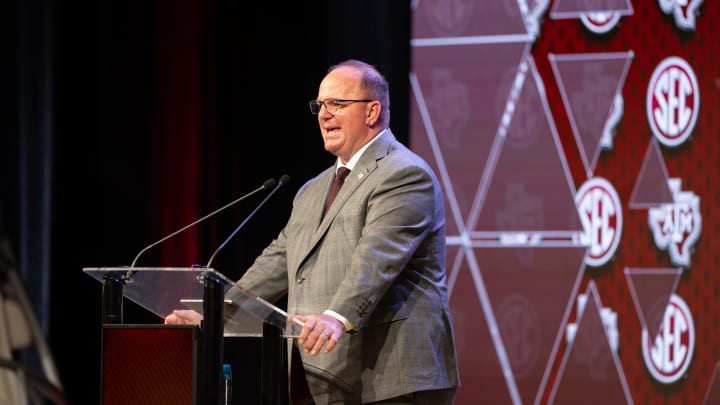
161	290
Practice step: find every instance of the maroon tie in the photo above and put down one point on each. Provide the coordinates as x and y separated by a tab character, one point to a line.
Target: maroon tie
339	180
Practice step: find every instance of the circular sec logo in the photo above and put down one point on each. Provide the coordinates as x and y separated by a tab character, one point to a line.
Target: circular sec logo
672	101
600	22
601	215
668	356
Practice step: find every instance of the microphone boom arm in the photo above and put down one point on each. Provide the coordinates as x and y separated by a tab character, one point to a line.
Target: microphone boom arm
268	184
283	179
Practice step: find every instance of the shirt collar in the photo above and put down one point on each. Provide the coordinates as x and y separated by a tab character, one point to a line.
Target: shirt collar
354	159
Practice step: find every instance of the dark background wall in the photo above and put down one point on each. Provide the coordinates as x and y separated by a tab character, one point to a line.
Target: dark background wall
125	121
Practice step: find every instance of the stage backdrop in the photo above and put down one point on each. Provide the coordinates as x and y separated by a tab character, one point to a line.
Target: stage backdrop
578	145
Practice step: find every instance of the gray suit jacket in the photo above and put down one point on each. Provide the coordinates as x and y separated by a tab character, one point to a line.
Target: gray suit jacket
378	259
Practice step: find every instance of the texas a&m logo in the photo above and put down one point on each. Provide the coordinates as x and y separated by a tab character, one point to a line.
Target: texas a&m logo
684	12
676	226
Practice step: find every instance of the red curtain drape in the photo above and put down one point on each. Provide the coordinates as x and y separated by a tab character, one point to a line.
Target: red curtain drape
181	85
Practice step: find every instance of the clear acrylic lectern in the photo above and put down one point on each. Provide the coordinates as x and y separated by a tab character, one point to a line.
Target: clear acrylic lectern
161	290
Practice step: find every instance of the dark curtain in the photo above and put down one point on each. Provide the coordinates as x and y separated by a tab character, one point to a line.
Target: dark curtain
149	115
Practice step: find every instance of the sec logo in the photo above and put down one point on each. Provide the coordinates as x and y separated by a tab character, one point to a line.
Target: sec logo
668	355
601	215
672	101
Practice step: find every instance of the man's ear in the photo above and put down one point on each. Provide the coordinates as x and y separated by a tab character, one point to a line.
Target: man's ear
373	113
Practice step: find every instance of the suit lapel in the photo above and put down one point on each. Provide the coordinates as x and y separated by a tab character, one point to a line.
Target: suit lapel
367	164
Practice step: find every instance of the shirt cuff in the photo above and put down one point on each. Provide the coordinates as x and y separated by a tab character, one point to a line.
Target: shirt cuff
348	325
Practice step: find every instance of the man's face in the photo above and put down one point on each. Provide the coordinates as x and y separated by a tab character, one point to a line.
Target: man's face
346	130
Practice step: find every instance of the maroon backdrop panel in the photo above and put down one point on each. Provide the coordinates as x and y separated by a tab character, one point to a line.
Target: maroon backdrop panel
577	142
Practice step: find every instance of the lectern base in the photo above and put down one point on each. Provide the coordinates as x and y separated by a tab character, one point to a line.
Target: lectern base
148	364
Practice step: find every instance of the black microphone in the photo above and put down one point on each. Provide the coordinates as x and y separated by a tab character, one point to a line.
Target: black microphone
283	180
268	184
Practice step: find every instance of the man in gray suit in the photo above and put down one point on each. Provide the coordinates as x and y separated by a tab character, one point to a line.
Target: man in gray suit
366	277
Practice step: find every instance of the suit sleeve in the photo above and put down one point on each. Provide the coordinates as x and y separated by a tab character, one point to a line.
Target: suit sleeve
267	277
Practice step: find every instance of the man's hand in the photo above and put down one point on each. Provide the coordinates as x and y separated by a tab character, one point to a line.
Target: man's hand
184	317
319	330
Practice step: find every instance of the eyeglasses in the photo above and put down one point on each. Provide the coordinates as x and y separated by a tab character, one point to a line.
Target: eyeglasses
332	105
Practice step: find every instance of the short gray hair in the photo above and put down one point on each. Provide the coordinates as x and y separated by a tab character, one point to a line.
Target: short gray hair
375	82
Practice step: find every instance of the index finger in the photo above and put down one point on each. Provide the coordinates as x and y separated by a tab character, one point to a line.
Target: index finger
307	328
297	320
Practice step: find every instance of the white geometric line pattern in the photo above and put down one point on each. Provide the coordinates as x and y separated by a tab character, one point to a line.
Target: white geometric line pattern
480	116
